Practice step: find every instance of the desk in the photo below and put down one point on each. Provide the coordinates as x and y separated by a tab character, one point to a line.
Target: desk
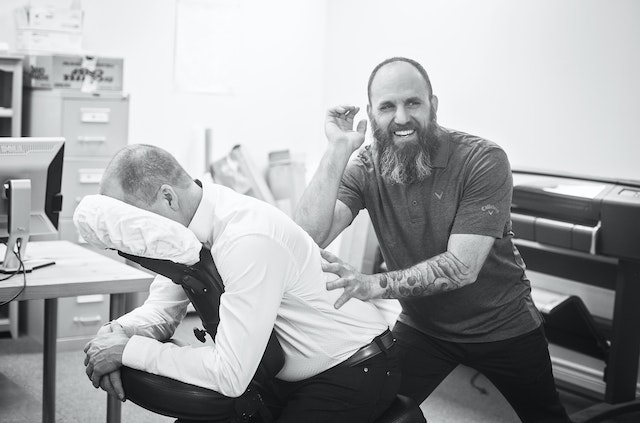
78	271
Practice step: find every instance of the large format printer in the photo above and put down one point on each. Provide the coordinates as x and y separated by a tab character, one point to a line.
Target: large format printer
586	230
593	216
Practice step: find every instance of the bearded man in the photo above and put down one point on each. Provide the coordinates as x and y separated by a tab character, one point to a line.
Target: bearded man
439	201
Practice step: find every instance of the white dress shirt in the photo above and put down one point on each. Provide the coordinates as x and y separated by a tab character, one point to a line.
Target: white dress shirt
273	278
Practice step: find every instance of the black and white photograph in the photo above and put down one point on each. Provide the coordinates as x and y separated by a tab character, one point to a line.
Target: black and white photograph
319	211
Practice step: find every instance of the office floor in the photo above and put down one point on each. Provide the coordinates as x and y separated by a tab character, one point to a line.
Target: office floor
455	401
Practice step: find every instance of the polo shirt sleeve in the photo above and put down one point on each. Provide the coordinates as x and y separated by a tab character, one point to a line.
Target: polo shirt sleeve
352	185
484	208
255	270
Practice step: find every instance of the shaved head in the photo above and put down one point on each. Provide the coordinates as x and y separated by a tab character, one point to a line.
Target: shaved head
394	60
136	173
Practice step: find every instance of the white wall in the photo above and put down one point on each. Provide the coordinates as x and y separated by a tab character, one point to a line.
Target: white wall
276	99
554	82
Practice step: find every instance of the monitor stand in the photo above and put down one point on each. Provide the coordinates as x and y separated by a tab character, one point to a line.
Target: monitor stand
18	193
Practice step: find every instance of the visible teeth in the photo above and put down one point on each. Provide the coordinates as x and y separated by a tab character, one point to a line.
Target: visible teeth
404	133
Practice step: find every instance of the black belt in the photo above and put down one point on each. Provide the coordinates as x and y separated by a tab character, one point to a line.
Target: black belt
380	343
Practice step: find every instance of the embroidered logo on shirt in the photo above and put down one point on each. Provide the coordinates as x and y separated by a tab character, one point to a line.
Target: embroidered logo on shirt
438	195
490	208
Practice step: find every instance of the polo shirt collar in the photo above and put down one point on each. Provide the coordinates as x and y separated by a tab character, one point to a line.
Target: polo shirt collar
440	157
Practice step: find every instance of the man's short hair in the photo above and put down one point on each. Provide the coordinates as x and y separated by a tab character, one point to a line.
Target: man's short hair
141	170
412	62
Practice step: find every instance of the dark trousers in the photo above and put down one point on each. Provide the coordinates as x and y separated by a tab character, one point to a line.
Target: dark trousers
520	368
340	394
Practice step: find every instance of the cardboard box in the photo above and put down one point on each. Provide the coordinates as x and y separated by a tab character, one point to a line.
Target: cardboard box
55	19
64	71
47	29
286	179
40	40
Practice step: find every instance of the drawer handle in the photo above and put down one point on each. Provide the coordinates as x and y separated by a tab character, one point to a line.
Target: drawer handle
92	140
87	320
94	115
90	176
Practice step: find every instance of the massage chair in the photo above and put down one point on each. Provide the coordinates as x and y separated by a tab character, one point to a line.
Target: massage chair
169	249
188	403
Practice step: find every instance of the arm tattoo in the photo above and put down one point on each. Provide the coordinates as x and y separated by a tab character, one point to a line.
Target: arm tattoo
441	273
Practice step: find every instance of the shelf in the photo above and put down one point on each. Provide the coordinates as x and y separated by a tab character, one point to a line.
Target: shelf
10	95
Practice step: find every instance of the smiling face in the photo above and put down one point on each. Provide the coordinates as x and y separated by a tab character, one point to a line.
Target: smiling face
402	112
401	103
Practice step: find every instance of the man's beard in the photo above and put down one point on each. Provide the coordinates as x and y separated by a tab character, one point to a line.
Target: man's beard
409	162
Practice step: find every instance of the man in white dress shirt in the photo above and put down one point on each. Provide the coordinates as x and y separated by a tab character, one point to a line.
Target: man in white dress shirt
273	279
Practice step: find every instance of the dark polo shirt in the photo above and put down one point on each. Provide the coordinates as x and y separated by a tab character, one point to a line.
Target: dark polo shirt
468	192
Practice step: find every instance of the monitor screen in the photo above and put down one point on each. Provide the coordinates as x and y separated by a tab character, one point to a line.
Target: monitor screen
38	160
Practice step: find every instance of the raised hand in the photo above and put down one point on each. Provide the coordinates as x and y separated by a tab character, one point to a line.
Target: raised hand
339	127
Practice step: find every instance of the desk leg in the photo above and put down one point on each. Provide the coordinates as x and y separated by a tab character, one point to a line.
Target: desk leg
622	367
49	360
116	309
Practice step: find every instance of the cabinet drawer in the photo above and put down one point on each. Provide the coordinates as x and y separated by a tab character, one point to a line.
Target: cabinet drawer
80	178
94	127
82	316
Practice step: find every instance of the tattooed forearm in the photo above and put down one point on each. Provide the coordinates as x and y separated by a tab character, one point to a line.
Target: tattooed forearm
441	273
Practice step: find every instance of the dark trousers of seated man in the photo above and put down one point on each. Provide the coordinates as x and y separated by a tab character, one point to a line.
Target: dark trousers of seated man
519	368
340	394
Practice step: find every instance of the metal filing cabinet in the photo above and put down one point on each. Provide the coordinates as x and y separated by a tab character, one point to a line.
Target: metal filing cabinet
95	126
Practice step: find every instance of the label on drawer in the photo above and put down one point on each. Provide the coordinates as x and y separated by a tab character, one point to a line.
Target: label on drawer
90	176
94	115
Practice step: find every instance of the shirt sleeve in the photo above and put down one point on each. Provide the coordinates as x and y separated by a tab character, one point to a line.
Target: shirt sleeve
160	314
485	205
255	271
352	185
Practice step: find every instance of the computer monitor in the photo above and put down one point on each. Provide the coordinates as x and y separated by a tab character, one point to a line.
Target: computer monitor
30	198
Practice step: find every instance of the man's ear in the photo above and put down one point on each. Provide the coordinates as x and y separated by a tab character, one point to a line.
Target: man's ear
168	196
434	102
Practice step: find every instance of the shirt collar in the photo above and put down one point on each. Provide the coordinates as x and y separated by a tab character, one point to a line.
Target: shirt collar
203	219
440	154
